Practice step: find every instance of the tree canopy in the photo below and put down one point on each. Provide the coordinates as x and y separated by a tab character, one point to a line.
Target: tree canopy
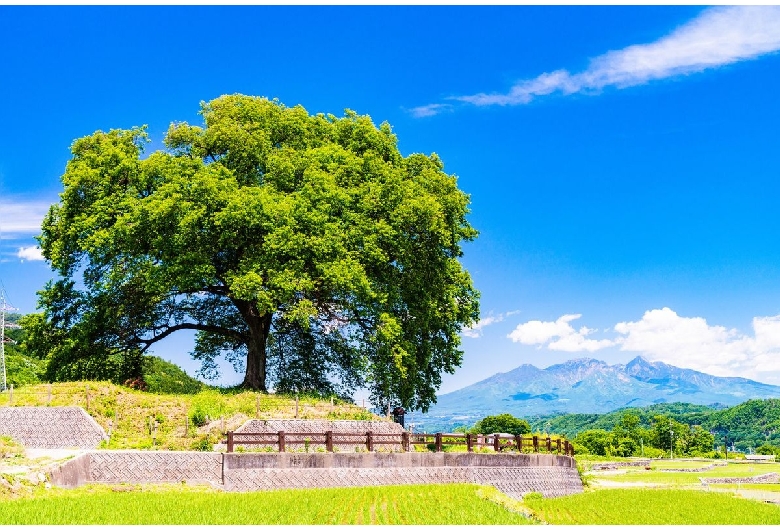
305	248
501	423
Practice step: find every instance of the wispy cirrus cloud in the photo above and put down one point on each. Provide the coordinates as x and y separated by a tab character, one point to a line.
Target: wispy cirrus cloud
718	36
663	335
21	218
475	331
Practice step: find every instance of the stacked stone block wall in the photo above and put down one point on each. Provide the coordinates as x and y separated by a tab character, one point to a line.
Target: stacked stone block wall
514	474
51	427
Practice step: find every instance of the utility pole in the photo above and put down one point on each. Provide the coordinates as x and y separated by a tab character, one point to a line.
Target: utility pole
671	441
3	308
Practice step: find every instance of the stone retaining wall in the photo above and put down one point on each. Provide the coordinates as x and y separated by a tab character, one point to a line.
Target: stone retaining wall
514	474
51	427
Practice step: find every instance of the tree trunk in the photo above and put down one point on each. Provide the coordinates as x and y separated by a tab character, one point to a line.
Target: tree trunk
256	357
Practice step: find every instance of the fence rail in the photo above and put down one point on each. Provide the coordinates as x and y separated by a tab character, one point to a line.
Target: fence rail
406	440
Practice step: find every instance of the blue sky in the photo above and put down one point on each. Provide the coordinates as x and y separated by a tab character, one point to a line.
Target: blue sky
623	162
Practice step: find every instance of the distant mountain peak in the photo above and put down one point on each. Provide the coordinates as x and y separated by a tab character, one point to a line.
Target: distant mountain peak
588	386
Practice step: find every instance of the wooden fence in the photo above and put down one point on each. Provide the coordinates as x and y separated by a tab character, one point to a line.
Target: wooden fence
437	441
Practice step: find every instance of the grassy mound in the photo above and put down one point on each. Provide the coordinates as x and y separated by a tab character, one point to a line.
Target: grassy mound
135	419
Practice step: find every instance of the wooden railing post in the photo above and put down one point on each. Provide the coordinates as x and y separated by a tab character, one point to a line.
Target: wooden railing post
405	441
558	442
519	443
566	447
369	441
549	445
281	441
438	442
536	444
496	443
11	396
230	441
329	441
469	443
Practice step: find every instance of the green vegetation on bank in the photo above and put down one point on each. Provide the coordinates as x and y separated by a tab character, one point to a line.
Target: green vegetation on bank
407	505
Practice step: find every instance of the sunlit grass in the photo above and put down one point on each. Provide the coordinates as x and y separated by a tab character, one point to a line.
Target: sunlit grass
407	505
656	506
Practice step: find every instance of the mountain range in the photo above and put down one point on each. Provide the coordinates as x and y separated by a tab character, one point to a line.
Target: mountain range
585	386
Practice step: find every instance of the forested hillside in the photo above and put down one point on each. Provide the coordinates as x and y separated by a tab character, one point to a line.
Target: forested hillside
747	425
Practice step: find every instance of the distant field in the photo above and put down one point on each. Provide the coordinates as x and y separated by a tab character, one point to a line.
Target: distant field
461	504
656	476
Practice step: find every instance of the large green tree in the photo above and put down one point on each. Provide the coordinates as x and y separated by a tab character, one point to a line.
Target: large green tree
306	248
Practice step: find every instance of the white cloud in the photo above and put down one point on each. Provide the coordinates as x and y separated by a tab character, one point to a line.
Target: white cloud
21	218
690	342
429	110
717	37
475	331
663	335
30	254
558	335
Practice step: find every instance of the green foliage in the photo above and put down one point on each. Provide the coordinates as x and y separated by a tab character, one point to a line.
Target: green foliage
163	377
747	425
21	367
305	249
203	443
594	442
198	417
502	423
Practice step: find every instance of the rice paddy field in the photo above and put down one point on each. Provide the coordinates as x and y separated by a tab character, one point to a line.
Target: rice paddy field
457	504
613	497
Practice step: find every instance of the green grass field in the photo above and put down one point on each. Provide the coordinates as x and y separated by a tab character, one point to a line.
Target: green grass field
407	505
653	507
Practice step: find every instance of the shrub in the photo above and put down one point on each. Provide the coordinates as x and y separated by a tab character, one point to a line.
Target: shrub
202	444
198	417
504	423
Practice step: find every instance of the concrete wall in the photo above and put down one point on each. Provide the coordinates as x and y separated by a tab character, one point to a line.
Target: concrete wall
514	474
51	427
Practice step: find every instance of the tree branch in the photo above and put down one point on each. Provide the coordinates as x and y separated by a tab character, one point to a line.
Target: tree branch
191	325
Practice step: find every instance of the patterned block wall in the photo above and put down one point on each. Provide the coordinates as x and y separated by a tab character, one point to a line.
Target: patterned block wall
515	475
155	467
515	482
51	427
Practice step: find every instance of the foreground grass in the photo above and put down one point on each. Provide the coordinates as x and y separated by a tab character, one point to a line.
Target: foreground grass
407	505
651	507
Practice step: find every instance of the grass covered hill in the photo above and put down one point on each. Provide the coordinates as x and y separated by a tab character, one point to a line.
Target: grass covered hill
137	419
